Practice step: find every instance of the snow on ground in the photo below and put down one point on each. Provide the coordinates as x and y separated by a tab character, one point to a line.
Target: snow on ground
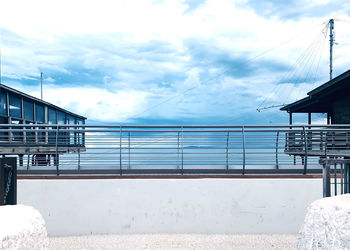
22	227
327	224
176	241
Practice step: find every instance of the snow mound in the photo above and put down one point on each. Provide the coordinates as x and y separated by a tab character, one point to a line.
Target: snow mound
22	227
327	224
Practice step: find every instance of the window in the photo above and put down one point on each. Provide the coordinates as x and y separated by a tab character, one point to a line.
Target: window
39	113
3	110
28	110
80	122
61	117
15	107
70	120
52	116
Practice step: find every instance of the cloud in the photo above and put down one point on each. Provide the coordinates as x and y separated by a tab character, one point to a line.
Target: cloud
291	10
167	61
95	103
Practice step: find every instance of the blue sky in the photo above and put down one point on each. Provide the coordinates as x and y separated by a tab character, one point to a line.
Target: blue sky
172	62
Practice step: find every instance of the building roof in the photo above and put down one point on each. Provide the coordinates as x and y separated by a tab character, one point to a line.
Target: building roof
319	98
17	92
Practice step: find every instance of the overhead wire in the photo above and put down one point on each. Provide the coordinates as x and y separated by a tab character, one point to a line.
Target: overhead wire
236	66
302	67
302	71
304	75
289	75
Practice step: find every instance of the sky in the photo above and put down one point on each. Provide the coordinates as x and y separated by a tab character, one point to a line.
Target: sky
173	62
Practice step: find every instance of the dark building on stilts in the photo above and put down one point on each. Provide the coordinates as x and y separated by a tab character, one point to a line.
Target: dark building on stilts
332	98
41	148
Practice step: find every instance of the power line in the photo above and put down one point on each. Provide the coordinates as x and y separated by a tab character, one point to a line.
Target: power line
301	67
237	66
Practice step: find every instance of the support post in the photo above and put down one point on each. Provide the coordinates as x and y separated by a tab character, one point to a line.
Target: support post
277	139
182	150
328	118
243	138
129	149
178	150
8	181
341	178
79	159
346	178
120	151
335	179
28	162
331	42
57	160
326	180
227	140
306	150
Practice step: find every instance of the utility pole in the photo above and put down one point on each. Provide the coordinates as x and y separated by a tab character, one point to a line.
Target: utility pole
331	42
41	84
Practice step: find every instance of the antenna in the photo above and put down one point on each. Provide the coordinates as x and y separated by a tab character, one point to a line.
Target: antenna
331	42
270	107
41	84
0	61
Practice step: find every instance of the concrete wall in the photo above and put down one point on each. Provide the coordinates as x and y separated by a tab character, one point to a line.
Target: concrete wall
76	207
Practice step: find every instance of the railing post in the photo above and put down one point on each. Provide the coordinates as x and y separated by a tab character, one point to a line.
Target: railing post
182	150
79	159
129	148
243	137
346	178
10	133
277	139
178	150
305	150
57	161
326	180
227	140
335	178
120	151
341	178
28	162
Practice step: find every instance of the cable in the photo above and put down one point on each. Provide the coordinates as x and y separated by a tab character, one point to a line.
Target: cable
237	66
304	64
290	74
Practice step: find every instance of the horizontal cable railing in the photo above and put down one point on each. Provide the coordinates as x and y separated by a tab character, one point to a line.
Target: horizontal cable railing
53	148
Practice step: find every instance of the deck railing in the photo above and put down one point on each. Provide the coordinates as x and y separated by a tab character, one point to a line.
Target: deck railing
173	149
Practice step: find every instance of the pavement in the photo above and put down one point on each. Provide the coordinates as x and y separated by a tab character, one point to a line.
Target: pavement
176	241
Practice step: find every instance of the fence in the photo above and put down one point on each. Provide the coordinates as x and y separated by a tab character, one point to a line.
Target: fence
142	149
336	174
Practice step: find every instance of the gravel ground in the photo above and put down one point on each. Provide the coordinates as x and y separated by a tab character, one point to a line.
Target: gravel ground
176	241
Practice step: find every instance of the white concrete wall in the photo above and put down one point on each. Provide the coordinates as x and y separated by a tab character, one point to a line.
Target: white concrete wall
76	207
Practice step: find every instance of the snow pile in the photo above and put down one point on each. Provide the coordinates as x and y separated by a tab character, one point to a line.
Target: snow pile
22	227
327	224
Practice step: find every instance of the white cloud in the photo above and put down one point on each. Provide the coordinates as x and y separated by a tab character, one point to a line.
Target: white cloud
109	38
94	103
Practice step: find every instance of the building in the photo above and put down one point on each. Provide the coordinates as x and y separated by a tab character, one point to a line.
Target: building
17	107
332	98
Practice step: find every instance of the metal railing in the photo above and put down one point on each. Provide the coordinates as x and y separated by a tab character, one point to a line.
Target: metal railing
336	176
175	149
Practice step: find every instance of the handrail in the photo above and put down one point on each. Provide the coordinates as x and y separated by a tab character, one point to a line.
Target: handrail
174	148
